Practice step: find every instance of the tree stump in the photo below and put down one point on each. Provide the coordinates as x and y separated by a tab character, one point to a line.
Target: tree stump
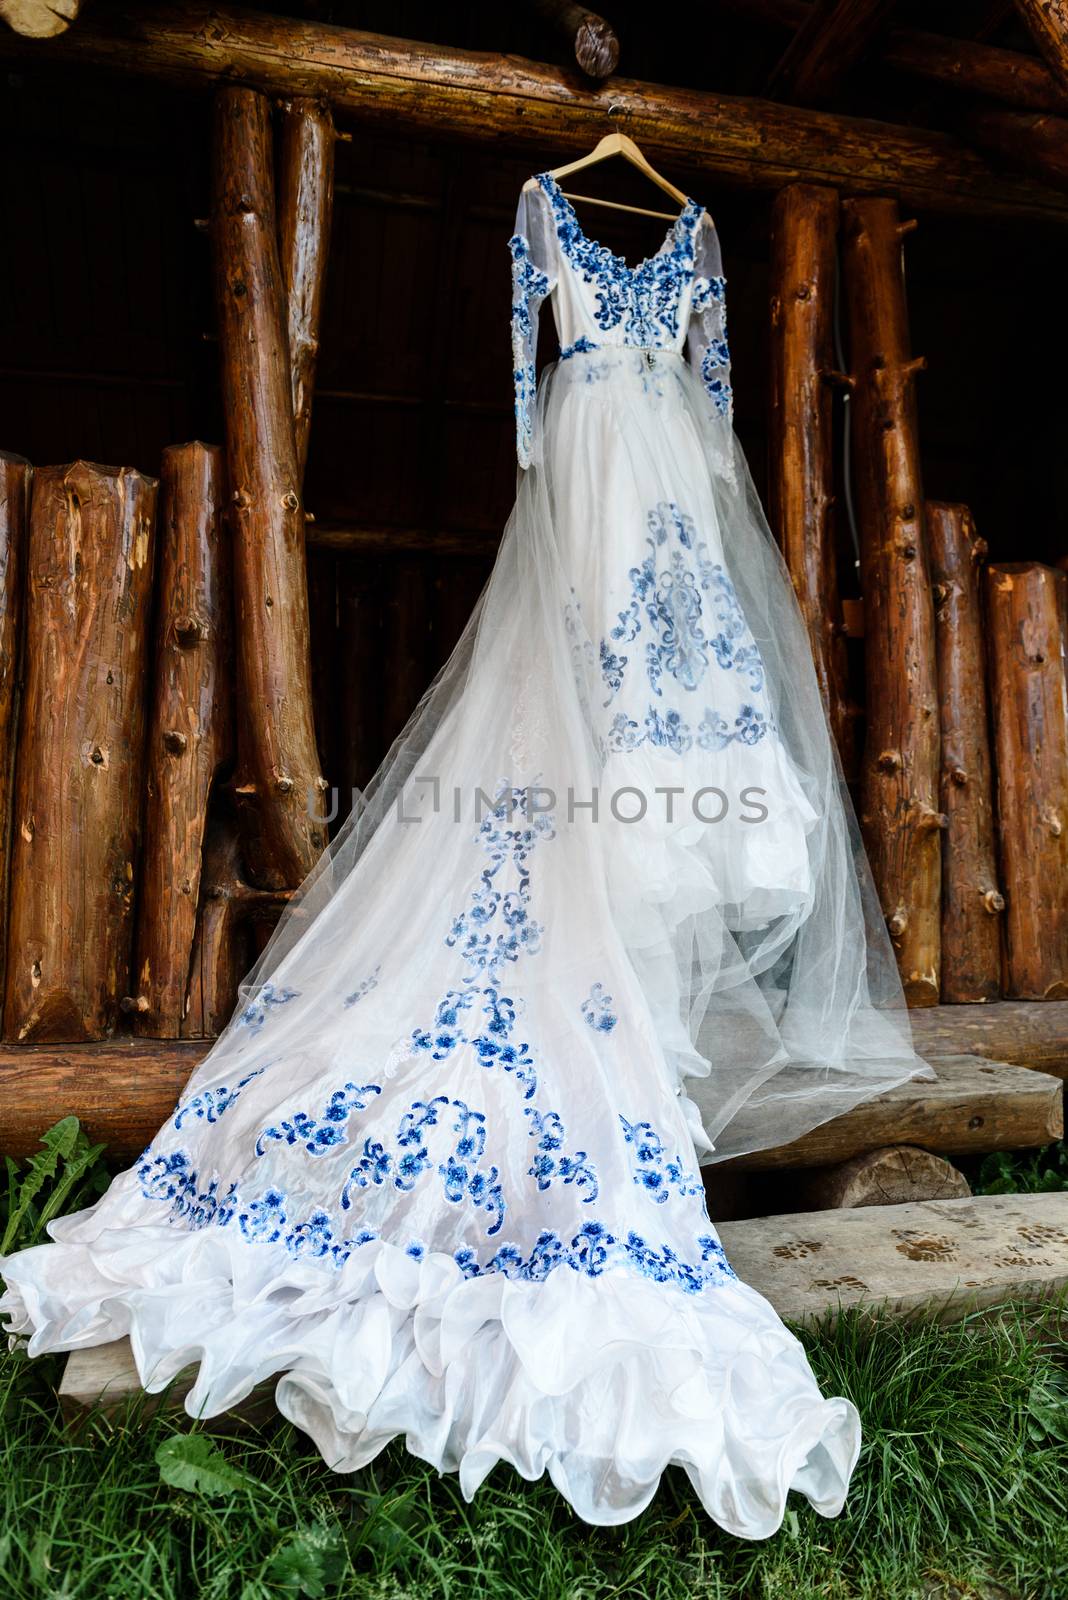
1025	603
971	899
80	749
16	480
278	767
190	734
305	211
892	1176
801	449
899	784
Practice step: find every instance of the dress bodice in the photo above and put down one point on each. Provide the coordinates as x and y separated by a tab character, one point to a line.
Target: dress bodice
673	300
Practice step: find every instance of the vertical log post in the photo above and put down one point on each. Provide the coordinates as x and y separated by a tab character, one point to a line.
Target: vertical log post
801	466
278	762
189	733
971	900
222	950
16	479
1025	604
899	781
81	740
305	210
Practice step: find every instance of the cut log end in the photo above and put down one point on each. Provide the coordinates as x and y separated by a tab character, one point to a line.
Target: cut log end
894	1175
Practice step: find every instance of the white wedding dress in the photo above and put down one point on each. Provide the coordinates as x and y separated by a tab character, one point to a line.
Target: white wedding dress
439	1176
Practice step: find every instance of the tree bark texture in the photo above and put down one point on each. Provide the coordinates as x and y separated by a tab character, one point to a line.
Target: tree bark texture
493	98
1025	604
972	903
305	211
801	454
899	782
278	765
190	733
80	750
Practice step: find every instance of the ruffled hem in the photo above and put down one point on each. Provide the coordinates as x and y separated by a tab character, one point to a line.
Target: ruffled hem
600	1381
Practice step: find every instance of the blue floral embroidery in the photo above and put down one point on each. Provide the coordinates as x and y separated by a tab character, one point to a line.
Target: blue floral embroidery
529	288
597	1009
320	1135
583	345
655	1174
210	1104
363	988
612	669
548	1128
265	1220
458	1170
255	1013
644	299
707	292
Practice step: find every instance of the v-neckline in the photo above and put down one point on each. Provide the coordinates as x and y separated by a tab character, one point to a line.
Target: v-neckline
557	195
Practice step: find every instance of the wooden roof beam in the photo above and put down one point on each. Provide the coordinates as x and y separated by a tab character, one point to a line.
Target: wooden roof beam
512	103
1047	22
980	69
592	39
833	36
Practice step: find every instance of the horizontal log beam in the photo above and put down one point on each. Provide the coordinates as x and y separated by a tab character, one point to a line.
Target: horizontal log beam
979	69
972	1106
1027	1033
346	539
123	1090
512	103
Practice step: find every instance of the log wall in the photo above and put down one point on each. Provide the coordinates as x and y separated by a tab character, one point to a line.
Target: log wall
79	789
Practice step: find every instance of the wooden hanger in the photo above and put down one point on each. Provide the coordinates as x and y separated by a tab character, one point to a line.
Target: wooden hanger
617	144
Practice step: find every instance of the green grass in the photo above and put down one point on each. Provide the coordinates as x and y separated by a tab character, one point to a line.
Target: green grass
959	1492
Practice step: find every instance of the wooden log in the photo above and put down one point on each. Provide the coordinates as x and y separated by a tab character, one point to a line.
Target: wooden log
899	782
223	948
891	1176
81	742
1047	22
972	1105
1017	1031
590	38
834	36
278	766
39	19
975	68
16	480
978	69
972	902
124	1089
1030	714
1031	141
190	733
941	1259
348	539
801	445
305	211
488	97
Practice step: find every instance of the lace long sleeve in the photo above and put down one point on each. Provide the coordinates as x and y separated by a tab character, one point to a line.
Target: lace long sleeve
707	345
533	280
